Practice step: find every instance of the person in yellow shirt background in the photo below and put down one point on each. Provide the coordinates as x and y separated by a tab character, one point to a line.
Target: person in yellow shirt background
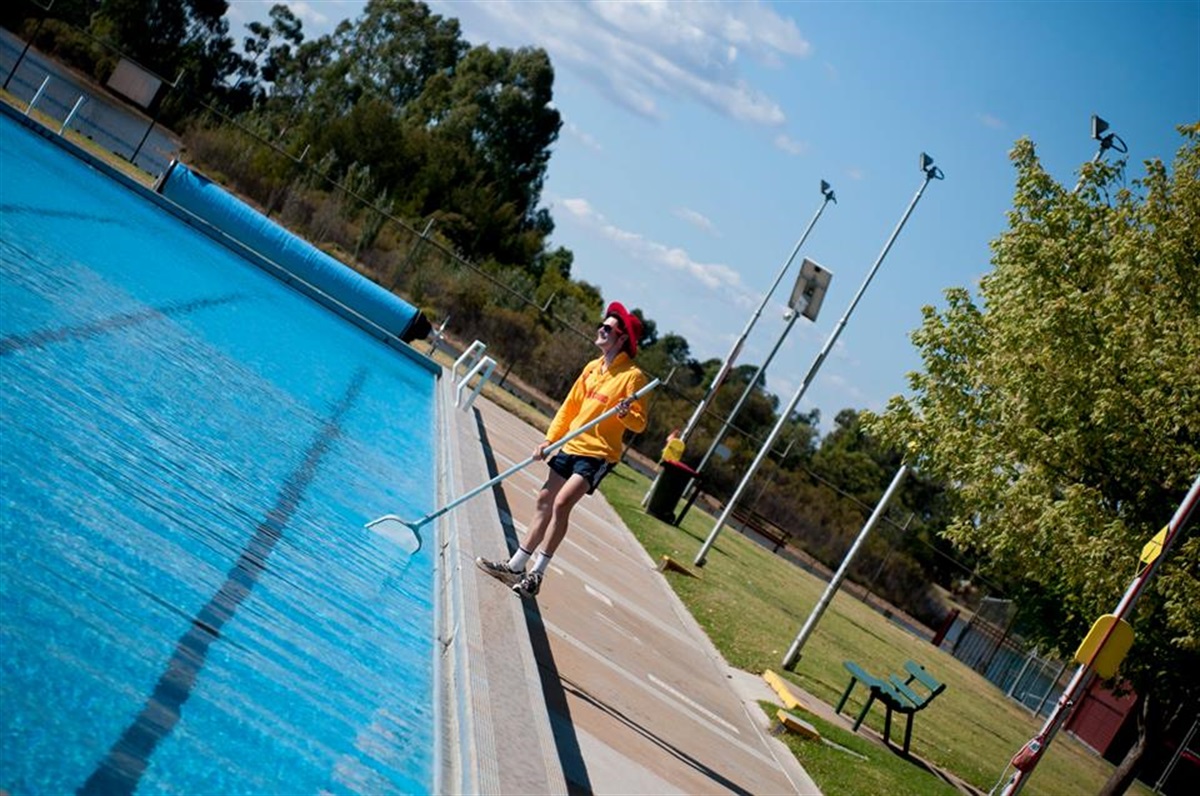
673	449
577	469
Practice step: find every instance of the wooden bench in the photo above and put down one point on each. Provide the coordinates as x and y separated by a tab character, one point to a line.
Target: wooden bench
756	522
905	696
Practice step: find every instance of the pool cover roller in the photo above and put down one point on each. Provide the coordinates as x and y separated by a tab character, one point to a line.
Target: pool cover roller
206	200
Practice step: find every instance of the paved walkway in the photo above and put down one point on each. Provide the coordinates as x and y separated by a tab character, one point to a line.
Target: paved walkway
637	699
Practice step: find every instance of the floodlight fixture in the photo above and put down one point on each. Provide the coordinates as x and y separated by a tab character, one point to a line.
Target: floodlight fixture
809	291
932	172
827	192
1107	142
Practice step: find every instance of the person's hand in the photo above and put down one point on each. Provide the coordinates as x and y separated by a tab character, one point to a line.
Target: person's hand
623	406
539	453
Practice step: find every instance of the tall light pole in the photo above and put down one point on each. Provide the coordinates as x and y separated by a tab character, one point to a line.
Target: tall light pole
793	653
807	296
1106	140
930	172
731	357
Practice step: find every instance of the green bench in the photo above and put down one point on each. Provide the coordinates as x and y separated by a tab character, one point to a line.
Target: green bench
905	696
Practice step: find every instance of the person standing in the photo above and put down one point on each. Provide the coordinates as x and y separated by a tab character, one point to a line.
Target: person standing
607	381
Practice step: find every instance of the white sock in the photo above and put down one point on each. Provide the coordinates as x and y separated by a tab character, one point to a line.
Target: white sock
519	559
541	561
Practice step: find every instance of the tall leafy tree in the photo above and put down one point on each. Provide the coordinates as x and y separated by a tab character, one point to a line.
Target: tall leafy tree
394	48
498	107
1065	406
270	47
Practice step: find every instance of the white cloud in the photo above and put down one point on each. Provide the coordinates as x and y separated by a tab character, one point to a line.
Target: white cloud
714	276
318	17
697	220
856	174
988	120
309	13
853	395
790	145
584	138
641	54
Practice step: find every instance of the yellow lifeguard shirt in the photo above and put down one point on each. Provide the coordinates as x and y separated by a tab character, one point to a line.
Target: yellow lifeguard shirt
597	390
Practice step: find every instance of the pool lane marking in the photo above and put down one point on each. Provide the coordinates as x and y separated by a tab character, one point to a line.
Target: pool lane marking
122	768
17	342
70	215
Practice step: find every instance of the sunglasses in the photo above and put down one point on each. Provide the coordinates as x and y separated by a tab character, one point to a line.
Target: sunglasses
606	330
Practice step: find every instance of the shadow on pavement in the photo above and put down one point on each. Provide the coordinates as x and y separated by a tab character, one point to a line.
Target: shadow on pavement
565	739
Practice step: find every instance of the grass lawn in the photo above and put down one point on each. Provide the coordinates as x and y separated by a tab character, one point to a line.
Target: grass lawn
843	763
752	604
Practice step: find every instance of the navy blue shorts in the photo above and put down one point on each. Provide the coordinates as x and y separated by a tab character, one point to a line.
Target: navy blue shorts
591	468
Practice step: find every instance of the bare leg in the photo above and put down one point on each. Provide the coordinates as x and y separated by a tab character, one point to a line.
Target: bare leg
570	494
553	511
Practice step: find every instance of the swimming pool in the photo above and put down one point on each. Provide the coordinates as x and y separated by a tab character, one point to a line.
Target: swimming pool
189	449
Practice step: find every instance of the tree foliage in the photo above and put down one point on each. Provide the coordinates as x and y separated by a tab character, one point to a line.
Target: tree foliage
1065	405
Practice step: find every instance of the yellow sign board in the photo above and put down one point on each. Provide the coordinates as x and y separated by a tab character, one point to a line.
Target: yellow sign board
1106	645
1153	548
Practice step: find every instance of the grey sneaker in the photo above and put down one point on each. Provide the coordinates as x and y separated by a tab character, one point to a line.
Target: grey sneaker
501	571
529	585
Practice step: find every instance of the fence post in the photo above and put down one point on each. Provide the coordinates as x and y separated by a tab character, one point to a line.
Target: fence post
37	95
67	121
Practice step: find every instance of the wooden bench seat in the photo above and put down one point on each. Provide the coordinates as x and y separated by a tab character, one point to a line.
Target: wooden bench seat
762	526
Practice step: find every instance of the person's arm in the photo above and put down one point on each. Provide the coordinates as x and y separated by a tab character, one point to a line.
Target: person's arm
634	417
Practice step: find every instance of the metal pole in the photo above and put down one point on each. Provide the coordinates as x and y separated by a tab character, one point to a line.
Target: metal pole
153	121
732	356
793	653
71	116
736	409
37	95
36	30
1070	696
931	172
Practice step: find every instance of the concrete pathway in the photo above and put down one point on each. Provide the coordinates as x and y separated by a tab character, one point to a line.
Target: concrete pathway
637	699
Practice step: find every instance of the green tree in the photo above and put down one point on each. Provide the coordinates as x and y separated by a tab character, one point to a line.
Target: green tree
497	108
1065	407
271	47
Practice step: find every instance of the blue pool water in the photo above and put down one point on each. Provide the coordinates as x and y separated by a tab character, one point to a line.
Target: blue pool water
188	452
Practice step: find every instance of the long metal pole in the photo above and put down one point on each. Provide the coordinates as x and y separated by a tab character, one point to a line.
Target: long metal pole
732	356
930	173
561	441
1074	690
793	653
36	30
721	432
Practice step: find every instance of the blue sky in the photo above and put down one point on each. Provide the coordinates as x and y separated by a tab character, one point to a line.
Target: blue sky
696	135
